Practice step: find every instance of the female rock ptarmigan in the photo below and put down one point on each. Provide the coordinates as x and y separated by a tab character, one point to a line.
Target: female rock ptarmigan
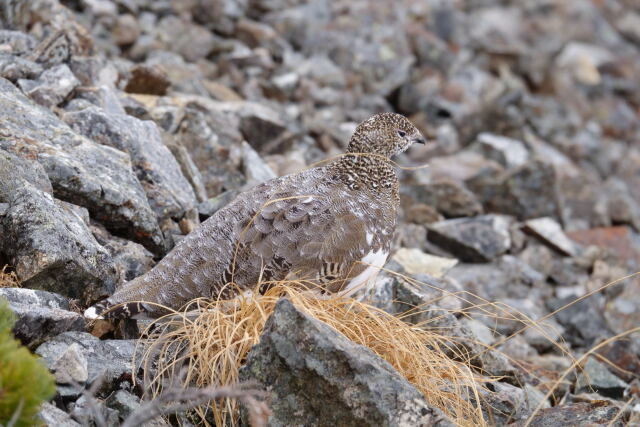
330	226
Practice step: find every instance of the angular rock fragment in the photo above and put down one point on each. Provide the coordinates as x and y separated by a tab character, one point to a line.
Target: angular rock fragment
448	197
40	315
508	277
148	80
168	191
255	169
51	416
508	152
414	261
209	135
96	177
583	320
478	239
126	31
52	87
214	204
123	402
259	124
131	259
595	376
529	191
27	169
622	312
50	247
71	366
189	170
14	68
601	413
109	358
318	377
19	42
550	232
191	41
84	411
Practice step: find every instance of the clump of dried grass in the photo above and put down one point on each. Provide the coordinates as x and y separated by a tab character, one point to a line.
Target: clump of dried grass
8	279
212	339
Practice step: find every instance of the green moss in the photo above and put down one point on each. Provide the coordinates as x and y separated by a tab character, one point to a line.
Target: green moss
25	382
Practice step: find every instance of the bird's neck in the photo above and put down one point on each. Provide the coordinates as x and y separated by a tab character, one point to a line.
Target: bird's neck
360	171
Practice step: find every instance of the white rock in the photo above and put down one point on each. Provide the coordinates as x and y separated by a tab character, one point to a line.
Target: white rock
71	366
414	261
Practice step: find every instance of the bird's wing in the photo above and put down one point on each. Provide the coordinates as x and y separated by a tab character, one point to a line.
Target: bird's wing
306	233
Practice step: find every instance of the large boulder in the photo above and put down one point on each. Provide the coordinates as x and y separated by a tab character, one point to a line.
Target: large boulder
316	376
40	315
94	176
48	242
168	191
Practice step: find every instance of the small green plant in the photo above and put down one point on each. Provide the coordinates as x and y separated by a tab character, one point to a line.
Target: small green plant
25	381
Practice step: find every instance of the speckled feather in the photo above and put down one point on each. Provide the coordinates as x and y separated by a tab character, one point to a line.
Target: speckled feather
318	226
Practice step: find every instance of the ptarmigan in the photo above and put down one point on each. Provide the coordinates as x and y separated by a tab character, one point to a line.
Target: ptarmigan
329	226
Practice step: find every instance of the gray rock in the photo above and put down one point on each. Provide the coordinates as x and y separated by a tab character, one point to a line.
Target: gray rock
528	191
40	315
508	152
71	366
448	197
583	320
110	359
318	377
50	247
214	204
255	169
51	416
595	376
168	191
96	177
131	259
126	30
189	170
185	38
220	15
209	135
622	312
518	312
259	124
123	402
582	414
550	232
27	169
85	413
19	42
14	68
478	239
623	208
101	96
52	87
508	277
506	404
360	37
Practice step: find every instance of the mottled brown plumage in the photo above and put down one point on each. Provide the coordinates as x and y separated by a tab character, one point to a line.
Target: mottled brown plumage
330	226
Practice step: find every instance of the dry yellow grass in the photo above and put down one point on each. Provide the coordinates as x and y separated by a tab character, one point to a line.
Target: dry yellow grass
212	338
8	279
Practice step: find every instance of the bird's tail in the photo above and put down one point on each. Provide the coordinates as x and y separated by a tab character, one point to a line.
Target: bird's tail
108	310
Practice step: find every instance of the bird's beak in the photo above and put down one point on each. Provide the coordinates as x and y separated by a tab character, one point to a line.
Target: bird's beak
419	140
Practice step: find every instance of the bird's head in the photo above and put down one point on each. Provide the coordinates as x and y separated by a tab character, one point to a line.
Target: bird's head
386	134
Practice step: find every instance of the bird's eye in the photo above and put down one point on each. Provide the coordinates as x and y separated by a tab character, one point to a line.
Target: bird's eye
402	133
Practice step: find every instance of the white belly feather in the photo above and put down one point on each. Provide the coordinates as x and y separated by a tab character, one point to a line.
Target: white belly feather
374	262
